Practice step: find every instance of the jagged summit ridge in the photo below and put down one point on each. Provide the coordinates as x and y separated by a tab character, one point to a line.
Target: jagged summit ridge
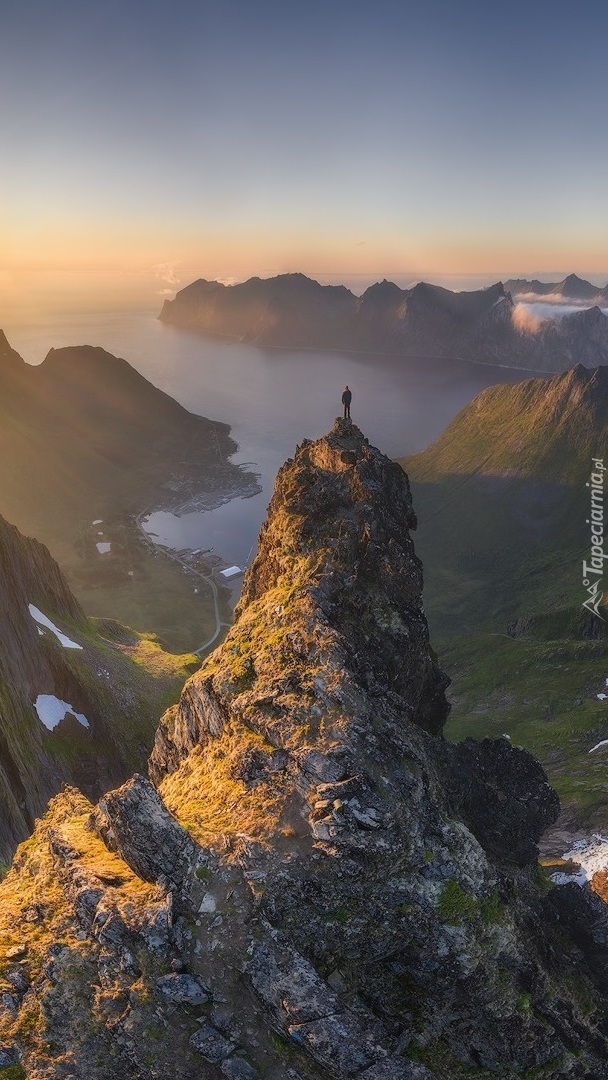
337	874
346	509
336	586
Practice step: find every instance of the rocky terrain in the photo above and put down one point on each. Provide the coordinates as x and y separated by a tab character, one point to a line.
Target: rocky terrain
292	311
111	681
318	885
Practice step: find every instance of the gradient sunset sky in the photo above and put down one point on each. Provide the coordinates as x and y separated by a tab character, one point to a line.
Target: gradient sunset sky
147	144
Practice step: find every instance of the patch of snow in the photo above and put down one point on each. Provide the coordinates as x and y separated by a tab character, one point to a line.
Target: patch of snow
103	548
231	571
208	904
602	697
41	632
100	532
590	855
98	521
51	711
130	573
599	745
39	617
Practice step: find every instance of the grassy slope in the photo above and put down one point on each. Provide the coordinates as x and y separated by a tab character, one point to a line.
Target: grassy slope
139	585
487	560
122	681
502	503
544	695
141	674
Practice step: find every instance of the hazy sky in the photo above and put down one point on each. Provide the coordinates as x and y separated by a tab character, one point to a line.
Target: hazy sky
145	144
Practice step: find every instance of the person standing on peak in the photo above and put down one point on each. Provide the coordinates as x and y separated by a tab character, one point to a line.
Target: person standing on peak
347	397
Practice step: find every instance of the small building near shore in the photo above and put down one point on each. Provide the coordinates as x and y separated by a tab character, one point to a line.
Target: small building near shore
231	571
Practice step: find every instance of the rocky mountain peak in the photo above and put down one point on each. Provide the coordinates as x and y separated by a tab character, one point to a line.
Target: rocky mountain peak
330	624
10	361
319	887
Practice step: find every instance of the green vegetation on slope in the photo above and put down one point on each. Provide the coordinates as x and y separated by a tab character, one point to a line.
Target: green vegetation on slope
502	508
543	695
140	585
502	503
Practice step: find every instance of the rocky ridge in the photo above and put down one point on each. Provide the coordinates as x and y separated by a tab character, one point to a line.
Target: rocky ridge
319	886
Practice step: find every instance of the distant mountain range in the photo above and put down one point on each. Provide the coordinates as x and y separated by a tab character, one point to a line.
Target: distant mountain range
293	311
571	288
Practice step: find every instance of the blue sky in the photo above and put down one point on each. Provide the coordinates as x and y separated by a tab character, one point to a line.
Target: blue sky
146	144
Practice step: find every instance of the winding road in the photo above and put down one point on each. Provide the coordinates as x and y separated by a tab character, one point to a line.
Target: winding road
208	579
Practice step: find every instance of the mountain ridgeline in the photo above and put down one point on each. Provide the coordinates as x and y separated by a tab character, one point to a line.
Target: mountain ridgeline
504	513
88	445
84	430
319	887
571	287
293	311
507	479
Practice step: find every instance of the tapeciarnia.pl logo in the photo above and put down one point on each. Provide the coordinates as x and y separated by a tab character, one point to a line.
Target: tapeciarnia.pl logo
593	570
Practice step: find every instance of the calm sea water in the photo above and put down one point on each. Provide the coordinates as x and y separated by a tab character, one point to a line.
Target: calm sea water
271	398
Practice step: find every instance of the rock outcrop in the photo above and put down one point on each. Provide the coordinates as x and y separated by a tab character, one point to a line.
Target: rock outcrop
321	886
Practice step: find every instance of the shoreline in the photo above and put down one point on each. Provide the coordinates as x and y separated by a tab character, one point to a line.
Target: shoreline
205	568
231	339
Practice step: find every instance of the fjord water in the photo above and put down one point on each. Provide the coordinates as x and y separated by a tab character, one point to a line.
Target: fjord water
271	398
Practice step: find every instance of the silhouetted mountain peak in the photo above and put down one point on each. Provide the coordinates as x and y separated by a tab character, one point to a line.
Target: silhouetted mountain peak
9	358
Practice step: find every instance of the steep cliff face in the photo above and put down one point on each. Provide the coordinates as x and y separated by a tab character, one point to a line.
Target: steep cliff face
52	657
321	887
28	575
